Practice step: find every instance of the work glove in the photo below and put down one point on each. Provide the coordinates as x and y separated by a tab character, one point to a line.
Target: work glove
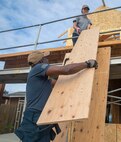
92	64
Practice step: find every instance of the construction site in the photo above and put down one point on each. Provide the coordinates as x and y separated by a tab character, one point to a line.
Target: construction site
86	105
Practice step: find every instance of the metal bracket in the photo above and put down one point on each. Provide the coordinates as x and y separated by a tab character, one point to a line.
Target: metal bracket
66	60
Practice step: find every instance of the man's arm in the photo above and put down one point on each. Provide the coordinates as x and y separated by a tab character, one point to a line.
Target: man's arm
76	27
70	68
53	81
89	26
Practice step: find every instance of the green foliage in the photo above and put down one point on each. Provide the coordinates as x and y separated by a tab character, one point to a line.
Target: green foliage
7	129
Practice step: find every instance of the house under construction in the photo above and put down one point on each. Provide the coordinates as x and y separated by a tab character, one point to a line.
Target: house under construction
100	117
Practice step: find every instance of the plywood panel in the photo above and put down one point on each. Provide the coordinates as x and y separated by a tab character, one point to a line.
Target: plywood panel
113	133
65	127
92	130
110	133
63	136
70	98
118	132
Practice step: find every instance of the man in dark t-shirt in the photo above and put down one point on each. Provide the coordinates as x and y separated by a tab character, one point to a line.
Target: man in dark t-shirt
38	90
81	23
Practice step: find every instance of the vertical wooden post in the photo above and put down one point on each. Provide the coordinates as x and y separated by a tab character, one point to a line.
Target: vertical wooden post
92	130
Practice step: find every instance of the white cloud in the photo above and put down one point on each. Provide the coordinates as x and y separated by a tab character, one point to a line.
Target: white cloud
29	12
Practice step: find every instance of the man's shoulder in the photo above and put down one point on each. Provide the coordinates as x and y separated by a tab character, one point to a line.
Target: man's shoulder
44	66
38	69
40	66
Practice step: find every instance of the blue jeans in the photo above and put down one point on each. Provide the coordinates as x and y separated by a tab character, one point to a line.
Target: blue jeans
74	39
30	132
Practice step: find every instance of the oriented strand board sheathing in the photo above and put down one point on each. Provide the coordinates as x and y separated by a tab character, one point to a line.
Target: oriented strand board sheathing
71	96
92	130
106	20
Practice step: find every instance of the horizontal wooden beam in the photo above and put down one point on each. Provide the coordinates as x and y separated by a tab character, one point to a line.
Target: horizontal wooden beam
110	43
4	57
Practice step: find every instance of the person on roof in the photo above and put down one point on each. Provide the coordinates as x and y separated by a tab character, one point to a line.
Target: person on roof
81	23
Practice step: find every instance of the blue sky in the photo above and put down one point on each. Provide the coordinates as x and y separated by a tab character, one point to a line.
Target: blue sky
17	13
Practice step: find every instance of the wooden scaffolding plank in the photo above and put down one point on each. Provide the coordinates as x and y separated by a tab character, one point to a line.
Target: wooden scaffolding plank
110	43
68	100
92	130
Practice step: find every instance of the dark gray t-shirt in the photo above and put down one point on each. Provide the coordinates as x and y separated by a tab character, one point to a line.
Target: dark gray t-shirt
82	22
38	87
